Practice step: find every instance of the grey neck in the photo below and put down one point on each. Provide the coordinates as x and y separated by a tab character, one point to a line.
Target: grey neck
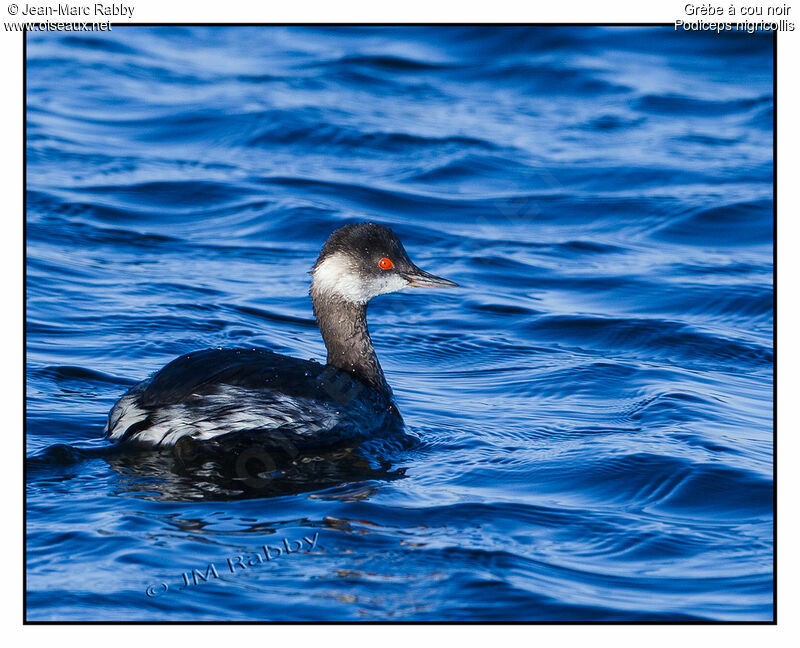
343	325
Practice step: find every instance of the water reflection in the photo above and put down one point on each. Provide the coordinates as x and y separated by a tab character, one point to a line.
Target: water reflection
201	472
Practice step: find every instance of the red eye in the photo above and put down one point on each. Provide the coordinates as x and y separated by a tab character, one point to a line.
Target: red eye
385	264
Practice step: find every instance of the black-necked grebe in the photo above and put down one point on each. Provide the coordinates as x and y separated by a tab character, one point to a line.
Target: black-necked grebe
214	393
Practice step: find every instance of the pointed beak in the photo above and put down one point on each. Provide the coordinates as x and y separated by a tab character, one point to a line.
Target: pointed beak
420	279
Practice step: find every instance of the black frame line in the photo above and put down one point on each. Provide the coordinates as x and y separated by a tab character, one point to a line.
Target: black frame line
711	622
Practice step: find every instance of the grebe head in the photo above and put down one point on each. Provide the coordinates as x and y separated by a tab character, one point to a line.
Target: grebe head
359	262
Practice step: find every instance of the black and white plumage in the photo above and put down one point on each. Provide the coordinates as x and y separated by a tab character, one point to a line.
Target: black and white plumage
219	393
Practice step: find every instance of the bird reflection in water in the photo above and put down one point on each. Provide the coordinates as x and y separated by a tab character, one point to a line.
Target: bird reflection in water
219	471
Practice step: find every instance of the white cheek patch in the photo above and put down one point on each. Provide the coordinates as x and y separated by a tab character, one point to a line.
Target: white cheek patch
338	276
391	282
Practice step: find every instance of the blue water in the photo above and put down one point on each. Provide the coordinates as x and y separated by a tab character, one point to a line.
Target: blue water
592	409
